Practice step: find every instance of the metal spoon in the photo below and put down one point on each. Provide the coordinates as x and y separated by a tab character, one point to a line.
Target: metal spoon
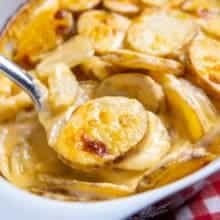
22	79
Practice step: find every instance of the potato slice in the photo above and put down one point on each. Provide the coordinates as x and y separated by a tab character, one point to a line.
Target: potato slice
6	86
10	106
209	22
63	88
204	63
201	5
101	130
191	106
149	152
98	68
105	29
180	162
88	191
71	53
79	5
134	60
133	85
43	32
161	3
89	87
161	33
123	6
103	184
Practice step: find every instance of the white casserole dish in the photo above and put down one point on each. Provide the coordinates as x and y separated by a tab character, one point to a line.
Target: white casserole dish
20	205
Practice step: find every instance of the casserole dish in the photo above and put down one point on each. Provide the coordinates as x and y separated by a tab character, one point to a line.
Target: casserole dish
18	204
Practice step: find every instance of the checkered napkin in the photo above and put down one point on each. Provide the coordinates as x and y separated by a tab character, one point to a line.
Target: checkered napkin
205	206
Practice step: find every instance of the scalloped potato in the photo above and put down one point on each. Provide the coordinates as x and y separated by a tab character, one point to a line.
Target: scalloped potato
130	96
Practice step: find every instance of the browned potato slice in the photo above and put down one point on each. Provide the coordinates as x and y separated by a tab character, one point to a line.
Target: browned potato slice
63	87
149	152
133	85
204	62
201	5
190	106
79	5
105	29
72	53
161	32
123	6
101	130
135	60
43	32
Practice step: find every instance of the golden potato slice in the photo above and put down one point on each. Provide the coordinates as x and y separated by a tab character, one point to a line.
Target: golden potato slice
43	32
75	190
63	87
134	60
190	105
123	6
204	63
201	5
173	170
71	53
103	184
105	29
133	85
149	152
79	5
98	68
161	32
101	130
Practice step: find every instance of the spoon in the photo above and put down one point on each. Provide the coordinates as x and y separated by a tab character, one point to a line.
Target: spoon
24	80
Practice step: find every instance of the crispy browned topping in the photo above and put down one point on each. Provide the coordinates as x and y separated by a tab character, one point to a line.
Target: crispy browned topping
94	146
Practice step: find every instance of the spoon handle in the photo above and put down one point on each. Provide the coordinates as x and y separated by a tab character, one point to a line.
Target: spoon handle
22	79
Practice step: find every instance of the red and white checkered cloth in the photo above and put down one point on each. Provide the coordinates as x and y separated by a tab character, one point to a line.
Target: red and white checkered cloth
205	206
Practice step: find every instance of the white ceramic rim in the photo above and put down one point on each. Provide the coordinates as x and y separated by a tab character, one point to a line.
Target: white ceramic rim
7	190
